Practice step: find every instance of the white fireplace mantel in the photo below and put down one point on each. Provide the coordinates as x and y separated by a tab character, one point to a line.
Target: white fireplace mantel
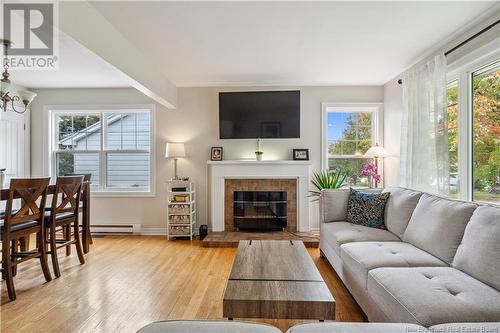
219	171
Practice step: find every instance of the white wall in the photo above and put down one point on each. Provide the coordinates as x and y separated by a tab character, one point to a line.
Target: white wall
393	112
14	140
196	123
393	91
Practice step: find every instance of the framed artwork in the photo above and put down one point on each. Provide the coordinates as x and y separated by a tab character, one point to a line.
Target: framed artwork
301	154
216	153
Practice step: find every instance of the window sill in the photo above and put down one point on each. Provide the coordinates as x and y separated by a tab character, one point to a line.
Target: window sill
121	194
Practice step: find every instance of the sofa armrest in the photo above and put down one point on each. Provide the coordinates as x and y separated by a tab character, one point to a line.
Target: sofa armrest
333	205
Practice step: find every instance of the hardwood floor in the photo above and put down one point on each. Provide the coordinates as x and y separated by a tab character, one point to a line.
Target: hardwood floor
232	238
130	281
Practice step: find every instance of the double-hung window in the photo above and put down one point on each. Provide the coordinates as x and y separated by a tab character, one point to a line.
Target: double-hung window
114	145
349	130
474	126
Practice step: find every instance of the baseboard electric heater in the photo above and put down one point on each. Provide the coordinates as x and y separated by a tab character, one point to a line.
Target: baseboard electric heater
119	229
260	210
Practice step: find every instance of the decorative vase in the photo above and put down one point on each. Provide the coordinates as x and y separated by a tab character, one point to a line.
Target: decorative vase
259	152
371	182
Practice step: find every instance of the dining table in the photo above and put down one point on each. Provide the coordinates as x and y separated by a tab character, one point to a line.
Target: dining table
85	209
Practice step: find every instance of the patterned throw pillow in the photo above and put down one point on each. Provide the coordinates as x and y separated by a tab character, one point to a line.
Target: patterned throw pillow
367	209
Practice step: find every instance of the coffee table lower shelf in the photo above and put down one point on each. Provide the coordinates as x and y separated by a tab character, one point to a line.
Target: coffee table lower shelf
278	299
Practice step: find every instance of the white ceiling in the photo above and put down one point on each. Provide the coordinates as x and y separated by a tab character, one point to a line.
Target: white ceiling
78	68
264	43
319	43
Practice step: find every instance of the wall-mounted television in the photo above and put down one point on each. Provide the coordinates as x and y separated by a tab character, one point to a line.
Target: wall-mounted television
259	114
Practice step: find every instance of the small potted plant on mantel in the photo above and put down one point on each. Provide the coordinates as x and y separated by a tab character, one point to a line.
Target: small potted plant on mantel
259	152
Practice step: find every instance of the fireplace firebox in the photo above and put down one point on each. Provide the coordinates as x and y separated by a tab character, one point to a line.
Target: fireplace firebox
260	210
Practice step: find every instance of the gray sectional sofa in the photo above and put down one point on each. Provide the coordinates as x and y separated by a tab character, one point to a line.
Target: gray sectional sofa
225	326
437	262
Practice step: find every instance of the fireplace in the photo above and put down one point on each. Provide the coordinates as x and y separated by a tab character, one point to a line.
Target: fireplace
260	210
260	204
225	177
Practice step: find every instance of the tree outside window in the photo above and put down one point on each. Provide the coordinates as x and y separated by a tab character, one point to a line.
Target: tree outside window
486	134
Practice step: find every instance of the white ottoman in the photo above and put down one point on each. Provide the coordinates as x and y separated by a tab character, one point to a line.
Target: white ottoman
338	327
207	326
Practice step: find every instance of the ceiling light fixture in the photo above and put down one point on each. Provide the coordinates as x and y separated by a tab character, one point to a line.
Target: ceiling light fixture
6	97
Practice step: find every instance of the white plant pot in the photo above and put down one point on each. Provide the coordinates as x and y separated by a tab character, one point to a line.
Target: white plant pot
258	157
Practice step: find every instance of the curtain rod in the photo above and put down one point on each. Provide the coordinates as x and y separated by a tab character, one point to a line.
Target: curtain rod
400	81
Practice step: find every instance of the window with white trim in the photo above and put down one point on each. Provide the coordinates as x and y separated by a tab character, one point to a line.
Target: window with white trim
113	145
474	97
349	130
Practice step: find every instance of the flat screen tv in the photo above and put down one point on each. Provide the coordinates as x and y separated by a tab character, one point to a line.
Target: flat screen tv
259	114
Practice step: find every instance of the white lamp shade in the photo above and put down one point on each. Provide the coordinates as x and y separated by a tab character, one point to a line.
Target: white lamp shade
4	87
27	96
376	151
175	150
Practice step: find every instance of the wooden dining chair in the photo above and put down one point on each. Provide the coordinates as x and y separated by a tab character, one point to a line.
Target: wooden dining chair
22	223
64	214
87	177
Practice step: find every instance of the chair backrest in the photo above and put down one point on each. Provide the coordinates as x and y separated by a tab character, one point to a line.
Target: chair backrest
33	195
86	176
68	190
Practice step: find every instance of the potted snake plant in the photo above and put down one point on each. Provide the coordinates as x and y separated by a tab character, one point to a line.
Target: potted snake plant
327	179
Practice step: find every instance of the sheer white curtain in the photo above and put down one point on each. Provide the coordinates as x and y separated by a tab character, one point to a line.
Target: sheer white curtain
424	163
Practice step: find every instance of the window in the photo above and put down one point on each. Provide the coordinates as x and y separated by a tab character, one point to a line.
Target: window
452	115
349	130
486	133
113	145
474	126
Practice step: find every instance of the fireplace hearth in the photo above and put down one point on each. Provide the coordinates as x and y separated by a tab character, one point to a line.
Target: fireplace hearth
260	210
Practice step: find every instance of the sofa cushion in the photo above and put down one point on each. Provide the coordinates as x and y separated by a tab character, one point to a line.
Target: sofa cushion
340	233
479	253
360	258
334	205
207	326
399	208
432	295
338	327
437	225
367	209
466	327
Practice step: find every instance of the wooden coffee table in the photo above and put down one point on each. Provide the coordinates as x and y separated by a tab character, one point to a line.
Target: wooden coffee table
276	279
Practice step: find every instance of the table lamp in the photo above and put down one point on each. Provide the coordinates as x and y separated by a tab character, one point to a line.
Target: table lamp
175	151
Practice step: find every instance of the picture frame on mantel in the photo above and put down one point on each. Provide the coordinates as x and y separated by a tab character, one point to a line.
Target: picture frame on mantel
216	153
301	154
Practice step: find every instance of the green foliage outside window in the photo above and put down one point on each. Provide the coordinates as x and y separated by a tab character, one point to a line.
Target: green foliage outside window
486	136
355	141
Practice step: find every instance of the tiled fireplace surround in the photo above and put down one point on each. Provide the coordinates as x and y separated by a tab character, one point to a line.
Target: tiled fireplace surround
286	185
224	177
